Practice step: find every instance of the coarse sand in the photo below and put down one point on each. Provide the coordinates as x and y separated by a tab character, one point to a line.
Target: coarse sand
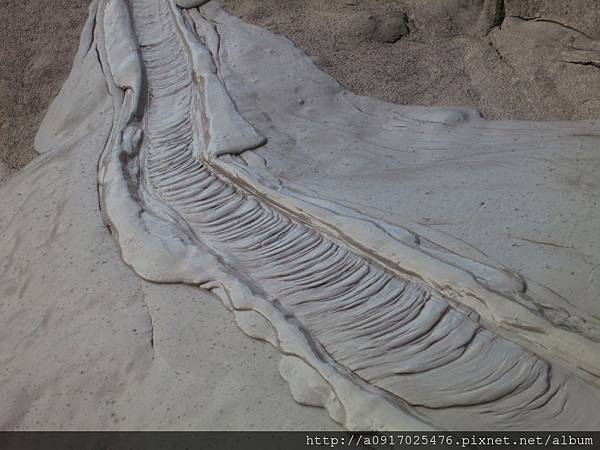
38	41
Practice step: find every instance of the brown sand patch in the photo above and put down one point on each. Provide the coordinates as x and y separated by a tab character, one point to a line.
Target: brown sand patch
39	40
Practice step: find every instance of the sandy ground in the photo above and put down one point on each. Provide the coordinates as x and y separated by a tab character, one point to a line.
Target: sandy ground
509	62
38	43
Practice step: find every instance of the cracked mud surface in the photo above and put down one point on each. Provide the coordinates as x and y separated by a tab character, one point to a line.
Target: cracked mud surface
511	59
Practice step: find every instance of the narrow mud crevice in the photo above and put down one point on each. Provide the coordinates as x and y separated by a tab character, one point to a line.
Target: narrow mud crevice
584	63
151	326
499	14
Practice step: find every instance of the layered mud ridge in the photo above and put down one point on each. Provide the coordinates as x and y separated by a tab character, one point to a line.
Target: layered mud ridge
384	328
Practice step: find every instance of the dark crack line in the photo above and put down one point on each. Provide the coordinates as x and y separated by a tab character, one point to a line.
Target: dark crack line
533	241
584	63
151	323
499	14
